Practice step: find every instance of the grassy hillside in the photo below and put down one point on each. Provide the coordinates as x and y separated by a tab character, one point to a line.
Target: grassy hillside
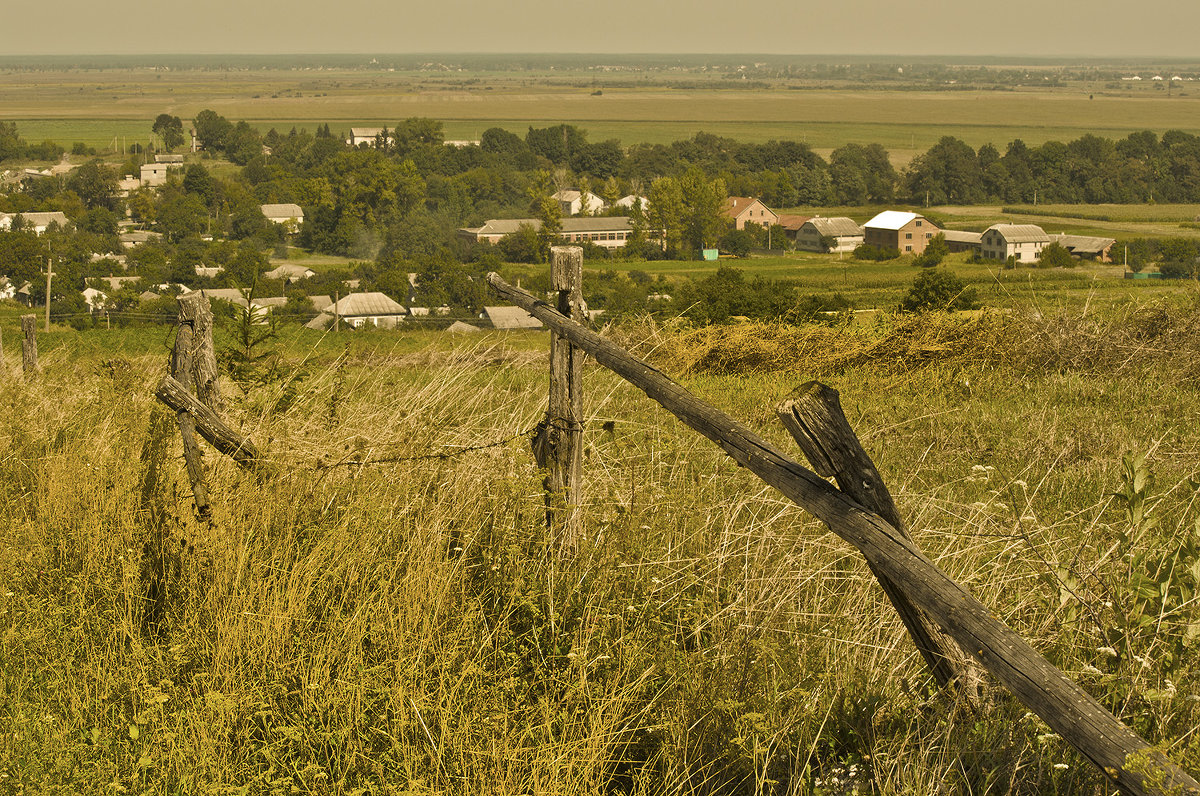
375	614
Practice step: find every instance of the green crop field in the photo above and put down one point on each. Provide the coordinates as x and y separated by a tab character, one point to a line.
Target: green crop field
96	106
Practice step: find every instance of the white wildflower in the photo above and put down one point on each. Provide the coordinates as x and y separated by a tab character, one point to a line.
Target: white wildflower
1109	651
1087	667
1061	766
1145	662
1047	737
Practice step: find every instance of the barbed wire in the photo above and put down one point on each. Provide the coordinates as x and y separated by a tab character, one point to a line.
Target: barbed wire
322	465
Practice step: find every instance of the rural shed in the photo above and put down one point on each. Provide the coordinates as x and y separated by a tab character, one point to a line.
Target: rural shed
844	233
960	241
1086	247
510	318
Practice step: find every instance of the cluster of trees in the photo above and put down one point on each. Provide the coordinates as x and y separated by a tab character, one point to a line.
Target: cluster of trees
13	147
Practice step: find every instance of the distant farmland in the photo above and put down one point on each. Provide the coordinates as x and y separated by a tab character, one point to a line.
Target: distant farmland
97	106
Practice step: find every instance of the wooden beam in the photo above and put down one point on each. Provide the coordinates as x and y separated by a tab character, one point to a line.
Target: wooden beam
814	418
208	423
1074	714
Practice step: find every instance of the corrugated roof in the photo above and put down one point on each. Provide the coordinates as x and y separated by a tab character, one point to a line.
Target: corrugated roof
321	322
39	219
791	222
288	271
511	318
282	211
837	226
462	327
358	305
1083	244
891	219
321	303
960	236
1020	233
574	224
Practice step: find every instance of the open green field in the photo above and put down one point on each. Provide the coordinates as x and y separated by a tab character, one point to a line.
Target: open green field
402	626
97	106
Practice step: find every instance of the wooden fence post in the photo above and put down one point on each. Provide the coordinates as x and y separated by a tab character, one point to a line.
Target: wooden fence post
814	418
182	369
29	343
195	308
1078	717
559	446
3	363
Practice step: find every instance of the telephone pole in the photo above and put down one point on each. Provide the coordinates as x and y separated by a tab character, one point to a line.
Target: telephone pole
49	274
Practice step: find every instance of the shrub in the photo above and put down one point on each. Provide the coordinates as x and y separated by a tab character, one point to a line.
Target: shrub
938	289
935	251
1056	256
866	251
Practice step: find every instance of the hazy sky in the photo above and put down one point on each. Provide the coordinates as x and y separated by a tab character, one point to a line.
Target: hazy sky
1100	28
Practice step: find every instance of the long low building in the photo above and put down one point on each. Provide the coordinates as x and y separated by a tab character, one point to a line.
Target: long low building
1086	246
836	234
611	232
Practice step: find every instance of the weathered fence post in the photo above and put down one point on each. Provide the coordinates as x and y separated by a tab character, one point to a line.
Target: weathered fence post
3	363
29	343
814	418
559	445
182	369
195	308
1078	717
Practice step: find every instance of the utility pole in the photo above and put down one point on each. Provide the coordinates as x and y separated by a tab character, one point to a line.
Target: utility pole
336	320
49	274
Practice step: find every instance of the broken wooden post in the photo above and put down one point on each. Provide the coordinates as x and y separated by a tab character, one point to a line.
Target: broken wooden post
561	451
814	418
181	369
208	423
1067	708
29	343
195	309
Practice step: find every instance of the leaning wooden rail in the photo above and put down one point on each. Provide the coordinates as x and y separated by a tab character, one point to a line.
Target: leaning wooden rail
208	423
1073	713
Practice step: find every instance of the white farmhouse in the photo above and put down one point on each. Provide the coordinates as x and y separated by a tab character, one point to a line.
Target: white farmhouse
1022	241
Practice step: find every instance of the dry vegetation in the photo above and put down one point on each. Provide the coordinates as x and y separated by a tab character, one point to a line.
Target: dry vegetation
404	627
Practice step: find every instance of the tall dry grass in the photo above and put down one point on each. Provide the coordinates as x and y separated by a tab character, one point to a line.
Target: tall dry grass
407	627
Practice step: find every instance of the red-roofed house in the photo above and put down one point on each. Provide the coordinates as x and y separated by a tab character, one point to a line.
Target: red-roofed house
747	210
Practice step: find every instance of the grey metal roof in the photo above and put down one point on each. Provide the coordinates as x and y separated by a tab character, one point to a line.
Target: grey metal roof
282	211
960	236
511	318
573	224
1020	233
289	271
360	305
321	303
1083	244
462	327
837	226
321	322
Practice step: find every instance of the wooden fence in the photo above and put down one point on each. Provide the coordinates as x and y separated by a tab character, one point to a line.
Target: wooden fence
943	618
958	637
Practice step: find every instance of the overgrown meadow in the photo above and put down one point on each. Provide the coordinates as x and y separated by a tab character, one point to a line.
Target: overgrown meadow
380	613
